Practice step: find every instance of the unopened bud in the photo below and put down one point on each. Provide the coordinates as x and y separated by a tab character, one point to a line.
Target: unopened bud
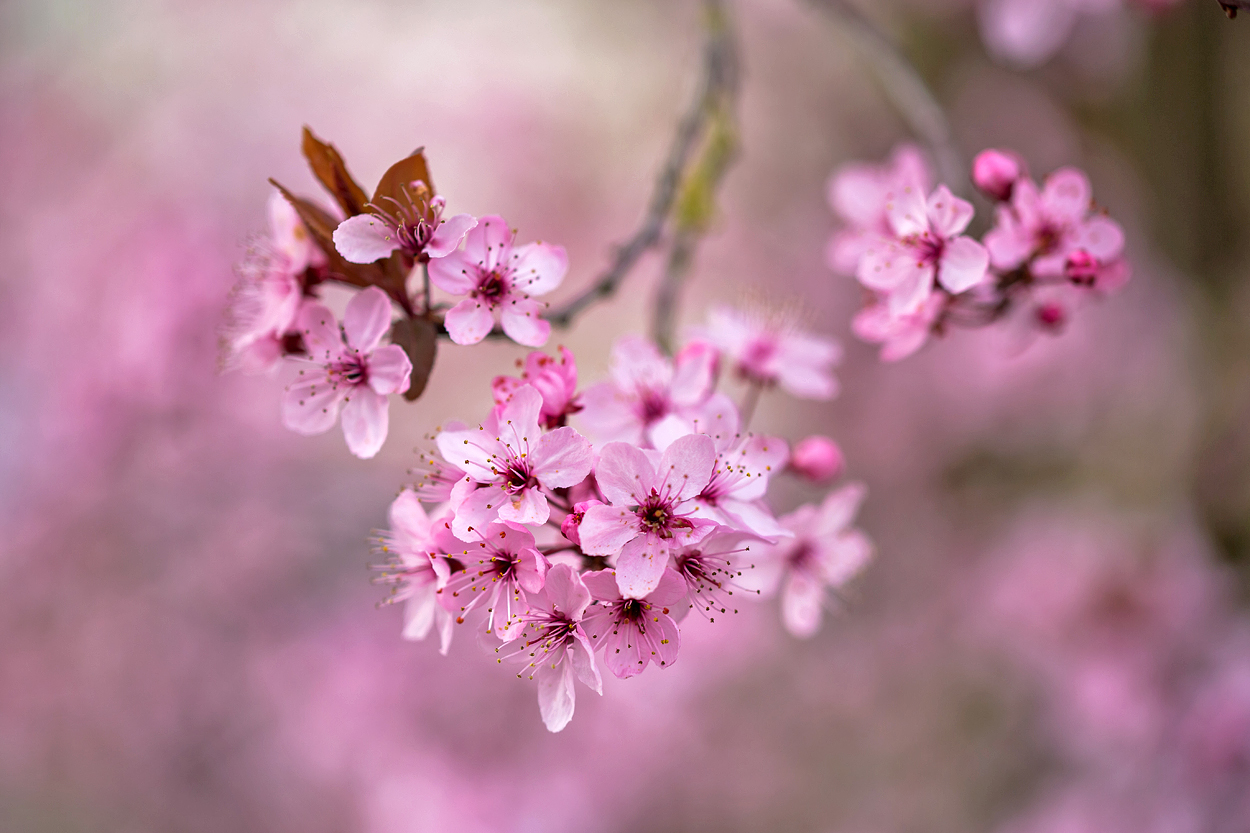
817	458
995	172
568	527
1082	268
1051	317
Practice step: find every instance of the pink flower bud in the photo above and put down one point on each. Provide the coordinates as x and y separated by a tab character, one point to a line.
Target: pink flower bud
568	527
1051	316
995	172
1082	268
817	458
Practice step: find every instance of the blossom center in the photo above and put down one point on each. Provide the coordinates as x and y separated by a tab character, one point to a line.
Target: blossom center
654	405
493	285
518	477
352	370
929	249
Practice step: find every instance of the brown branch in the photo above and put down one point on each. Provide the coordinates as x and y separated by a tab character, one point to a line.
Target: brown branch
718	75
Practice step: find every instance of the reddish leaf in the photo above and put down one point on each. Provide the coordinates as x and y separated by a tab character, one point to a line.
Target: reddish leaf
328	166
321	227
419	338
400	176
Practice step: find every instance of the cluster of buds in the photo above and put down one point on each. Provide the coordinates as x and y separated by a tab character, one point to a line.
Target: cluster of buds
1048	250
576	529
381	246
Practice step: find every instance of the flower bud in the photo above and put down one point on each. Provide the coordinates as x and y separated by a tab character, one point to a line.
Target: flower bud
817	458
568	527
995	172
1050	316
1082	268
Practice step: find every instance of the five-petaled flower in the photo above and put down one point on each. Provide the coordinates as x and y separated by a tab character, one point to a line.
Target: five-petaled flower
634	632
354	373
412	222
500	280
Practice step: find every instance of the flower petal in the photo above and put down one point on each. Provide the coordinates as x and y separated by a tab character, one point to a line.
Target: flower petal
538	268
365	422
489	242
367	319
390	370
469	321
447	236
320	330
562	458
364	239
963	265
686	466
556	695
948	215
523	323
801	603
312	406
641	564
605	529
454	273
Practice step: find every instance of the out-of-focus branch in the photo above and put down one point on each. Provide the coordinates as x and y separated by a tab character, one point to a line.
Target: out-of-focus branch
718	76
905	88
1230	7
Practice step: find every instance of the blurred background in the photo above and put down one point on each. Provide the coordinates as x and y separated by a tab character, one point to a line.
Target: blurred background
1054	637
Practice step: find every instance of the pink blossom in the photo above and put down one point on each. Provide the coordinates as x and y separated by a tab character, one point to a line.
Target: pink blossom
501	569
714	568
266	300
418	568
898	335
500	282
774	352
1045	228
437	478
817	458
511	456
355	373
859	194
926	244
1028	33
556	646
555	380
646	390
824	552
414	225
652	508
995	172
634	632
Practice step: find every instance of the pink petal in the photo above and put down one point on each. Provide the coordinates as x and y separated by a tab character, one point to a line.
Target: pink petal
566	591
754	517
447	236
518	420
538	268
842	559
605	529
622	650
662	639
1102	237
476	512
365	422
636	363
526	507
1026	32
455	273
602	585
641	564
419	612
364	239
390	370
912	293
367	319
907	211
523	323
583	657
1066	195
888	265
468	322
531	567
625	475
671	589
694	374
963	265
857	193
801	602
489	242
321	333
562	458
1009	243
409	519
290	237
311	406
686	466
556	696
948	215
838	509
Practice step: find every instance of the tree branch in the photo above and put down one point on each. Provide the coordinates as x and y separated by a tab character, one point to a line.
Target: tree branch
718	75
906	90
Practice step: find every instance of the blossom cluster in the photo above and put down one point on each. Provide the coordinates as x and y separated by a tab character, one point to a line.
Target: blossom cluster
378	245
906	241
571	546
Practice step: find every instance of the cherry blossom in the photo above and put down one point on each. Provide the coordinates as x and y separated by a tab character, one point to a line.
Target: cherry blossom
500	281
773	351
996	172
556	646
419	567
652	508
926	244
355	373
648	390
634	632
501	569
898	335
714	569
1044	228
266	300
413	224
515	461
824	553
555	380
859	193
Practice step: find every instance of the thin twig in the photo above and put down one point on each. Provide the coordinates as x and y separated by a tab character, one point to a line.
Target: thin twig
719	69
905	88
